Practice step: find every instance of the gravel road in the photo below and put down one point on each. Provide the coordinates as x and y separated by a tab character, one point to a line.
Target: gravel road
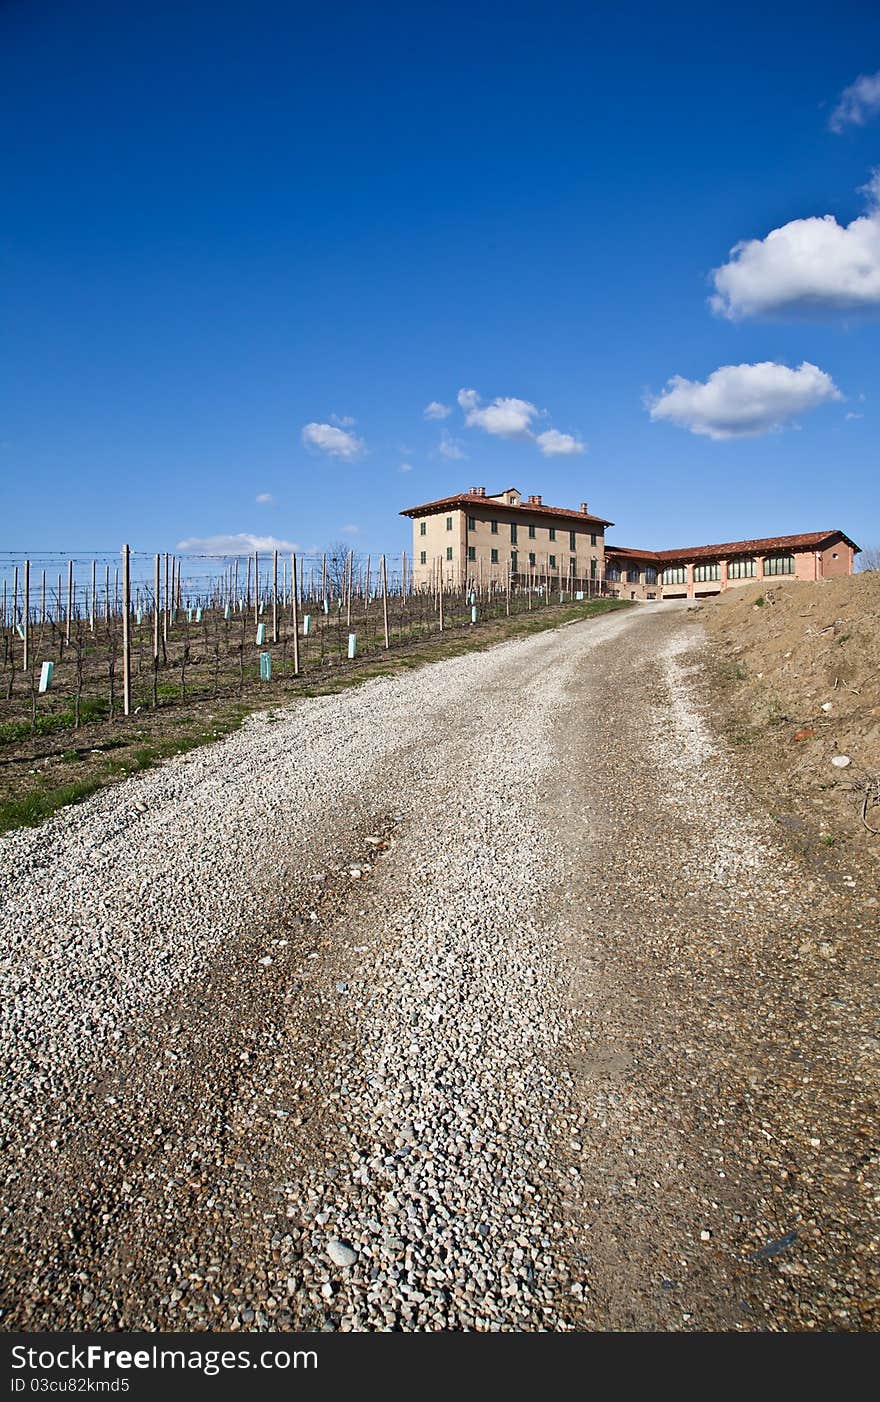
481	997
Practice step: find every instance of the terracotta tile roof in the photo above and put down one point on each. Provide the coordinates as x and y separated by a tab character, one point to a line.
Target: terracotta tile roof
805	541
465	499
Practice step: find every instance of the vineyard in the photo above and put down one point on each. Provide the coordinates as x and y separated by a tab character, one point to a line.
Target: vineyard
110	663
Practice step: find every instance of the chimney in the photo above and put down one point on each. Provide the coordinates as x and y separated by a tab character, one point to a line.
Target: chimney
583	506
534	501
481	491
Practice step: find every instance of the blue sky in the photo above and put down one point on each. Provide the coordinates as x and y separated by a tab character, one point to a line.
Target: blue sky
223	223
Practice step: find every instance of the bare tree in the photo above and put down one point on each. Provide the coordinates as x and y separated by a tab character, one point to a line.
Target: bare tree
869	559
337	566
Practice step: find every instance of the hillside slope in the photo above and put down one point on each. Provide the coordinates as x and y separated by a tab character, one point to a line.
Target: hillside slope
797	671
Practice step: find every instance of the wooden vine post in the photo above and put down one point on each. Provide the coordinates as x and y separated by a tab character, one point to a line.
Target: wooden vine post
126	630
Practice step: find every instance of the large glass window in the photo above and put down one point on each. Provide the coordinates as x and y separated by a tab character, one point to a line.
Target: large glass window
613	572
703	573
741	569
779	564
675	574
651	574
514	561
592	569
472	523
632	576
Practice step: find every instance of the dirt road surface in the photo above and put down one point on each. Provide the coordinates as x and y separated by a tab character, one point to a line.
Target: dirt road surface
485	997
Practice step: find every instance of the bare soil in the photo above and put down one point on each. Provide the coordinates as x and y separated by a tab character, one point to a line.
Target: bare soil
794	672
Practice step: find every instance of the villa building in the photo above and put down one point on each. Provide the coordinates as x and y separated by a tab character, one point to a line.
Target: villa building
484	539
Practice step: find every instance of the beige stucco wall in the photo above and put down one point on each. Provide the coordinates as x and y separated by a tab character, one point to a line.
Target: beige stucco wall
438	540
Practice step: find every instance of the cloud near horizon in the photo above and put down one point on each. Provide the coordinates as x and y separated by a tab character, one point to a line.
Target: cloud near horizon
808	267
241	544
436	410
743	401
335	442
857	104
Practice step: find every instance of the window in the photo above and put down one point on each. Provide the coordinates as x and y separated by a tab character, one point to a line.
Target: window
532	559
632	576
593	568
531	533
513	533
423	528
472	552
494	557
553	562
779	564
613	572
676	574
593	538
741	569
572	565
552	532
423	558
651	574
472	523
493	526
514	562
703	573
449	523
449	552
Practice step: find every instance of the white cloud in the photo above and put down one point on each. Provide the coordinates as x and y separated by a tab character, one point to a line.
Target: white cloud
504	418
449	447
858	103
436	410
405	467
241	544
265	499
851	415
343	422
351	529
554	444
809	266
742	401
336	442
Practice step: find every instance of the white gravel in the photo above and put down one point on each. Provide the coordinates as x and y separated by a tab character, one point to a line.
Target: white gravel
110	906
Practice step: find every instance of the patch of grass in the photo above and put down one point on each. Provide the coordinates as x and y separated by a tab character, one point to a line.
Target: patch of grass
733	671
35	807
760	601
844	638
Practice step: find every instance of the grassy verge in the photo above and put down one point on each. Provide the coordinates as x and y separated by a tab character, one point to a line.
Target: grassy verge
34	786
